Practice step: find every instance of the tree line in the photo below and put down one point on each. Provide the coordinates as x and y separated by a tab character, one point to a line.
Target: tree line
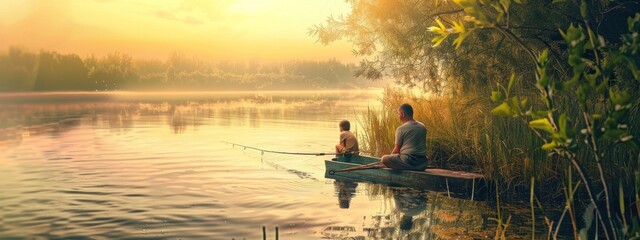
22	70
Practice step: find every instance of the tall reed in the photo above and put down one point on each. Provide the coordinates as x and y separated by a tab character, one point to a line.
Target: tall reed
461	135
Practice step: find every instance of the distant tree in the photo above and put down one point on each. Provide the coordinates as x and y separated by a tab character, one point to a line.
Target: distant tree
51	71
73	73
61	72
112	72
151	73
17	70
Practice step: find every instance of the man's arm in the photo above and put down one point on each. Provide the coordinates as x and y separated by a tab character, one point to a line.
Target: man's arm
398	142
396	149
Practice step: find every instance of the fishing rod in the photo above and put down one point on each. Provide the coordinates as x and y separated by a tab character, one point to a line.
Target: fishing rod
331	172
374	165
282	152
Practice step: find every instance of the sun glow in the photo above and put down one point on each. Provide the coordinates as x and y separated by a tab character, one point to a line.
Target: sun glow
225	29
247	7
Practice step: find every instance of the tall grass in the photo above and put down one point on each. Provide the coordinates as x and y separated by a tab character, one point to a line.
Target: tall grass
461	135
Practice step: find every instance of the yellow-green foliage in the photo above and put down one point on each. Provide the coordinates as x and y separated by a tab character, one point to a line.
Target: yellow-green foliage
460	134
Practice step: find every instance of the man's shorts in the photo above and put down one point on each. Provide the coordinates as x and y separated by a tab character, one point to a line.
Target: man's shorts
406	162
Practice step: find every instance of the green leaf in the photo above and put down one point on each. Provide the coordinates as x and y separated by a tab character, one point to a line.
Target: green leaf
615	133
571	132
434	29
591	78
500	16
558	137
632	145
571	82
563	124
588	44
574	60
579	68
620	113
438	40
582	95
502	110
550	146
515	106
589	216
602	87
542	82
539	114
525	103
573	36
542	58
458	41
443	29
512	80
583	9
619	97
505	4
563	34
611	122
621	194
633	67
458	26
542	124
496	96
466	3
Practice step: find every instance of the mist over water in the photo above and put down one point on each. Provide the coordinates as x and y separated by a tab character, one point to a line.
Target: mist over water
136	166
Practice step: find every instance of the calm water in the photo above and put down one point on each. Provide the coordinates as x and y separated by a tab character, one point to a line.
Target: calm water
151	166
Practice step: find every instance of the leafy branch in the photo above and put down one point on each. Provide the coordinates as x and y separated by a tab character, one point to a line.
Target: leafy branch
604	107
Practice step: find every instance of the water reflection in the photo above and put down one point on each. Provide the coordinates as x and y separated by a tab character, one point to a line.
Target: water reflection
409	213
345	190
141	167
408	206
35	114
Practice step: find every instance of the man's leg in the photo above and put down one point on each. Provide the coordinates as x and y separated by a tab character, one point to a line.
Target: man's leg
393	161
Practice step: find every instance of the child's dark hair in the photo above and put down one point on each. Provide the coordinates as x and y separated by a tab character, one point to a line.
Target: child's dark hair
345	125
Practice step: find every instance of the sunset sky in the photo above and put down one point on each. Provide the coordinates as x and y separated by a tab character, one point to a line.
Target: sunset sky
215	29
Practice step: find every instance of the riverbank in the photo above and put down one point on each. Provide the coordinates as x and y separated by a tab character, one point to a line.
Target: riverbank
464	135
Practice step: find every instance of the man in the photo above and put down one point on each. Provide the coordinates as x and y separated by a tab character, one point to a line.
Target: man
410	150
348	142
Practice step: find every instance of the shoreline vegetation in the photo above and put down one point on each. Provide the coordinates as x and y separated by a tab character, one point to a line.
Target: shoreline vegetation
462	136
540	95
25	71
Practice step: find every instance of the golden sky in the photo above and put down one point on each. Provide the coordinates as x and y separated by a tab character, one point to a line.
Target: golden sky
216	29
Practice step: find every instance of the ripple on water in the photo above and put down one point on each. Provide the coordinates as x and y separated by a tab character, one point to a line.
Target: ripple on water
84	192
121	173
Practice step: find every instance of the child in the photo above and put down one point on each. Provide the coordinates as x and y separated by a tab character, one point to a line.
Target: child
348	143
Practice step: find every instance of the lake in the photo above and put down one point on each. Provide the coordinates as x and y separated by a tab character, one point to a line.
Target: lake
162	166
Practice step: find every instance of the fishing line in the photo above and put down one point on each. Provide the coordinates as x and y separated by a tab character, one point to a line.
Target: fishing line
280	152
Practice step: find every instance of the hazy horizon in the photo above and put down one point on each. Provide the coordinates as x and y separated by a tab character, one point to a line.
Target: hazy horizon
233	30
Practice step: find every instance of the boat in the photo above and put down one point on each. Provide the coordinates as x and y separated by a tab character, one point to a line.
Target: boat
459	183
